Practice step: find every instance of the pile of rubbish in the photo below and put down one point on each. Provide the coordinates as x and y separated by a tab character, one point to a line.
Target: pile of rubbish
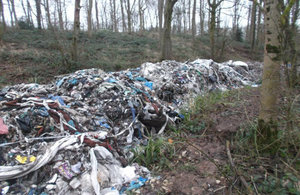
76	135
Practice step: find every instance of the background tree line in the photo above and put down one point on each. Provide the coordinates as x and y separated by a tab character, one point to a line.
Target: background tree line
222	20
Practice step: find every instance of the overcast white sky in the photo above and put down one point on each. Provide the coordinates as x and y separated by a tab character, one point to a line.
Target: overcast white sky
226	14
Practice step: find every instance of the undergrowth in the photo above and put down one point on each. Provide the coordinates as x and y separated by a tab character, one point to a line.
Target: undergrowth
196	115
49	52
263	171
157	154
268	173
272	168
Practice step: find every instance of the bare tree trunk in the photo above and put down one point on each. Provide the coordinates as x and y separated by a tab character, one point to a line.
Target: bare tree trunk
166	49
76	30
202	17
10	13
292	43
54	20
46	4
43	25
160	18
189	14
111	15
29	12
184	17
129	16
194	22
38	13
141	16
259	29
60	15
248	23
253	26
97	15
219	21
271	74
66	16
89	18
234	22
2	16
14	13
24	10
105	17
212	28
289	46
115	17
213	6
123	16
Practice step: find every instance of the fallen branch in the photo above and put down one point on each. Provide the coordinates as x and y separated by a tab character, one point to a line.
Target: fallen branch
237	172
291	168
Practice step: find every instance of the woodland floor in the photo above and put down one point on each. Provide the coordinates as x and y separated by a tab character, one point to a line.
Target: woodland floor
191	171
38	56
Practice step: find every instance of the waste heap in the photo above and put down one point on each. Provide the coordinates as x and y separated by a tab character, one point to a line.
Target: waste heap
76	135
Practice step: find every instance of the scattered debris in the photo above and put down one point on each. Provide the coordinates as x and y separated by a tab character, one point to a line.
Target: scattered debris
76	135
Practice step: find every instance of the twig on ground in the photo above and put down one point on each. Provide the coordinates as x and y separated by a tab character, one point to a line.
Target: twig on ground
221	188
291	168
237	172
256	191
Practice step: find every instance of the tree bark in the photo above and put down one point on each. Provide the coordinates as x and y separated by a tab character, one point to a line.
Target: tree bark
212	27
60	15
259	28
97	15
112	22
46	4
89	18
202	17
248	24
141	16
194	22
66	16
166	49
54	20
160	19
129	16
189	15
234	20
212	24
271	74
29	12
76	30
104	18
184	17
115	17
292	44
14	13
10	13
218	22
38	13
24	10
123	17
253	26
2	16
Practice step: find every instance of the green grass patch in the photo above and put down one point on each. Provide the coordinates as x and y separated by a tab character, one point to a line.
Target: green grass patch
157	154
196	116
